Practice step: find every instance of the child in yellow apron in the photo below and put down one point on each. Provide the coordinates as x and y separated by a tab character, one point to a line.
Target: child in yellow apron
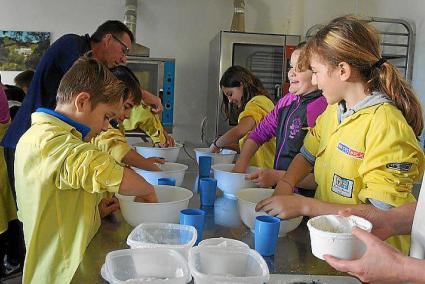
113	140
59	175
244	93
364	147
141	117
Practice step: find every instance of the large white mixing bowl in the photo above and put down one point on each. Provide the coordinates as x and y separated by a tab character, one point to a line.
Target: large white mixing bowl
172	200
168	170
249	197
230	183
170	154
226	156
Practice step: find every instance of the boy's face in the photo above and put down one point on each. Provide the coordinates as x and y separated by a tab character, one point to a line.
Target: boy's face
127	107
98	118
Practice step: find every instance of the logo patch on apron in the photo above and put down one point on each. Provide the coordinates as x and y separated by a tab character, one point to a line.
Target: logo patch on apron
350	152
403	167
342	186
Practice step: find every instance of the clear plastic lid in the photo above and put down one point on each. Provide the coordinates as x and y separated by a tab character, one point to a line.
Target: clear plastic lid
214	264
146	265
162	235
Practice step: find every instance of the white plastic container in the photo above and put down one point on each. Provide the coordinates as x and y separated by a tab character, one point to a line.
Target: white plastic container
223	242
248	199
146	265
331	234
230	183
170	154
168	170
163	235
212	264
226	156
172	200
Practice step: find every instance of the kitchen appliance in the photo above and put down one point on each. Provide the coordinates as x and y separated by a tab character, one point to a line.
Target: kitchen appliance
265	55
157	76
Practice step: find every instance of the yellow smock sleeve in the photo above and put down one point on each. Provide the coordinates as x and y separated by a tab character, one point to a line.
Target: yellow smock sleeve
7	204
113	142
312	138
142	118
253	109
257	108
393	160
90	169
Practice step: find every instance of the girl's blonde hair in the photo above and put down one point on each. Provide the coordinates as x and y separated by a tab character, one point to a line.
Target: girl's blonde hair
348	39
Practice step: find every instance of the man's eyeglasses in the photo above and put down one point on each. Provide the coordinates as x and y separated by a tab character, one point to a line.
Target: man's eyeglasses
125	49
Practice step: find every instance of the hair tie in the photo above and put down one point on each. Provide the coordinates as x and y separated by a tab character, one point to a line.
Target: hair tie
379	63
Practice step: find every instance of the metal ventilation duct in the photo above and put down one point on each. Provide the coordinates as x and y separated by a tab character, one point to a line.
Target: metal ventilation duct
130	20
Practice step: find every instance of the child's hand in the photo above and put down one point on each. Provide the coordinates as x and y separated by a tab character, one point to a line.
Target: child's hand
265	177
214	149
239	168
282	206
107	206
156	160
170	142
147	198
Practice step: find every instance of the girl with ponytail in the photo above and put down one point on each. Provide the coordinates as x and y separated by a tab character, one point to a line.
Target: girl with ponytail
364	147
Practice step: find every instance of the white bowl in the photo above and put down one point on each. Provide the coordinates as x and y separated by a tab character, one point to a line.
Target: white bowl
230	183
331	234
249	197
145	265
172	200
226	156
170	154
226	212
212	264
168	170
163	235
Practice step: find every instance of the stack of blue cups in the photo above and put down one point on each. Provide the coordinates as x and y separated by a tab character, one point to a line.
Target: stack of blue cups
207	186
204	166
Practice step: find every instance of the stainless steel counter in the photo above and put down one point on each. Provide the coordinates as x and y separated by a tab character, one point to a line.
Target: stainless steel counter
293	255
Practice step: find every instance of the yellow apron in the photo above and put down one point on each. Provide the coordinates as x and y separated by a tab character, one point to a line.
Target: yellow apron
7	204
372	154
257	108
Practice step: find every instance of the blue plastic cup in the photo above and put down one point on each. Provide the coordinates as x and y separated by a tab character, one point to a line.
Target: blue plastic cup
195	218
204	166
167	181
207	191
266	234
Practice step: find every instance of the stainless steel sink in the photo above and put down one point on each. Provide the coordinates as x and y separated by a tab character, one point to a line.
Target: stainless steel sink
311	279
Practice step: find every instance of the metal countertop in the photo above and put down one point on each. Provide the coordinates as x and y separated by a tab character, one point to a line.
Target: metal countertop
293	254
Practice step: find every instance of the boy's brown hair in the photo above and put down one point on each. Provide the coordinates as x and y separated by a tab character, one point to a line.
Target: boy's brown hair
91	76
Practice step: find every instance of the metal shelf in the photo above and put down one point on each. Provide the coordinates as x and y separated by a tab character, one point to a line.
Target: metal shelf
398	41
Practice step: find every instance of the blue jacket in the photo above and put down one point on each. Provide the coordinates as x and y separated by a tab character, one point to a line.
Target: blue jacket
57	59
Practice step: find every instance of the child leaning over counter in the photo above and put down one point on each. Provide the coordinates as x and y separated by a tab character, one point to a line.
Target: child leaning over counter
141	117
59	175
113	140
364	147
245	95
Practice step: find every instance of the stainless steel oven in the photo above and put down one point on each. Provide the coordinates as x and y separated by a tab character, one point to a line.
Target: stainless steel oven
157	76
266	55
